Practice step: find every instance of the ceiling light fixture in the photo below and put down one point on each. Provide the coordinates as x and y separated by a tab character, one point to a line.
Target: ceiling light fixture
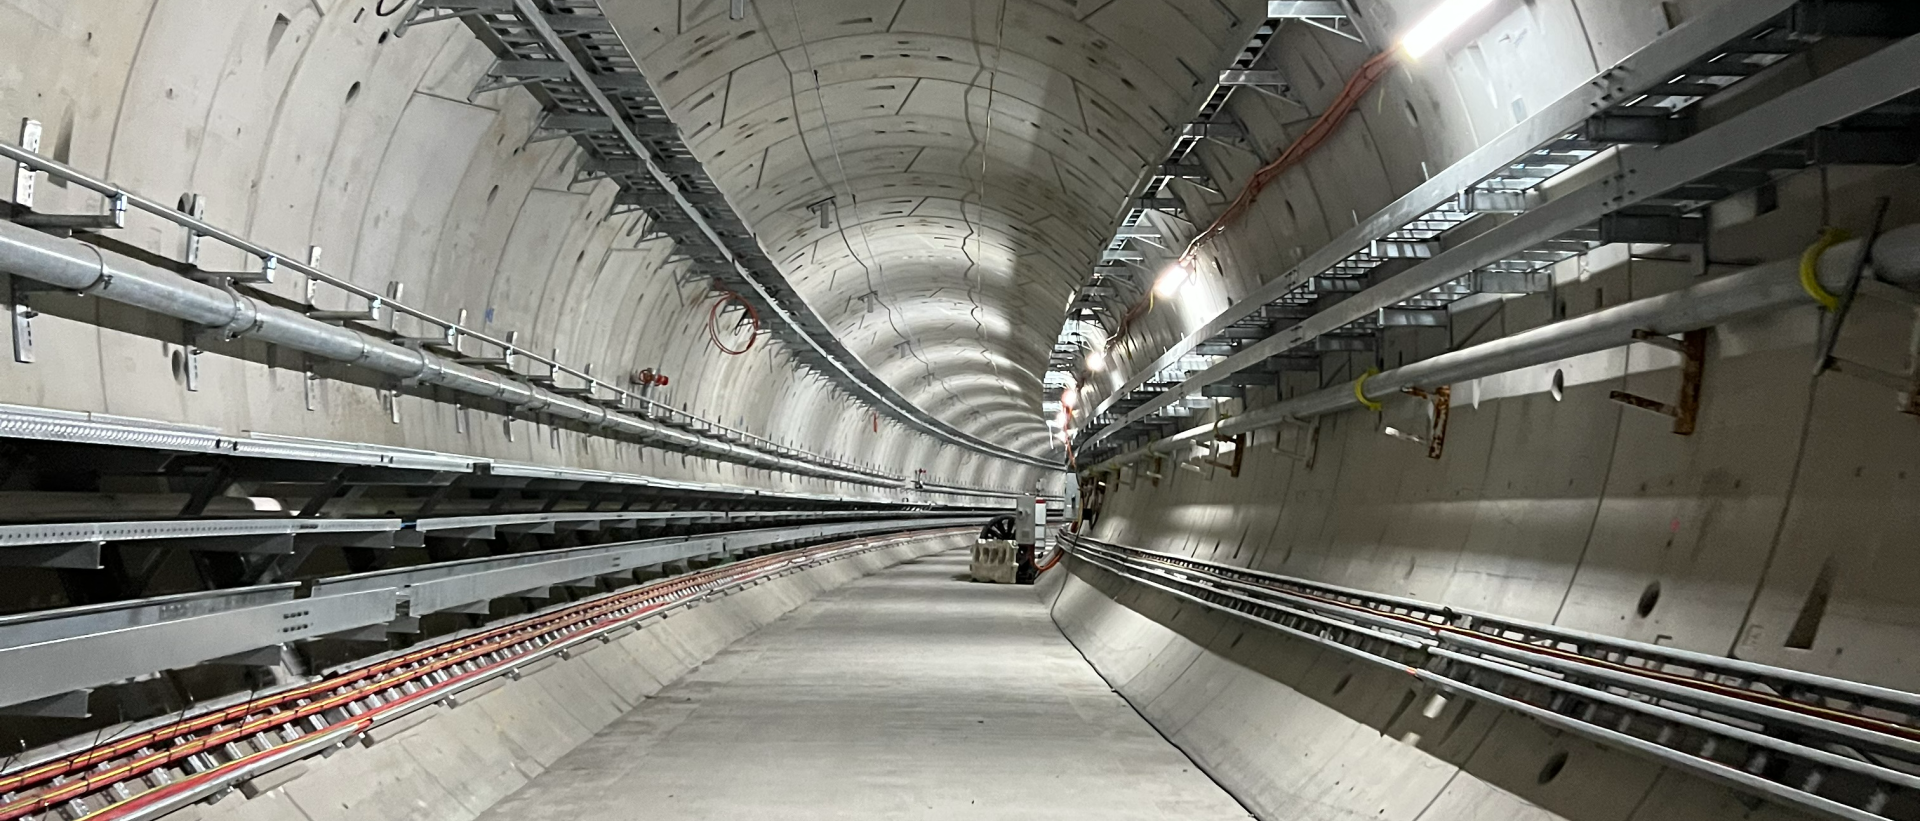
1171	279
1442	21
1097	360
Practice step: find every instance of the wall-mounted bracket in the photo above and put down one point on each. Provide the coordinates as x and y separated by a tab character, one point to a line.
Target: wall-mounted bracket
1440	400
1692	347
1298	439
22	314
1232	465
310	385
190	358
1905	385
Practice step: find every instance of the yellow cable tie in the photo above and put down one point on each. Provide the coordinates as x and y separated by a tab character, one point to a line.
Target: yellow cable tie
1810	266
1360	389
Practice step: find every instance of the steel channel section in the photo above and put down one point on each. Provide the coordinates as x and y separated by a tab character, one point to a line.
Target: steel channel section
96	532
1514	663
49	625
437	587
844	362
79	267
1656	63
1770	287
78	662
46	424
51	425
440	595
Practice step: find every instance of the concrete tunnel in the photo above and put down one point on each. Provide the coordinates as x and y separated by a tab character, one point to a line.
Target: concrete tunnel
1435	410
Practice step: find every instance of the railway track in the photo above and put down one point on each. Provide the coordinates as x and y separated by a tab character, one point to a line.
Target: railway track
146	772
1843	749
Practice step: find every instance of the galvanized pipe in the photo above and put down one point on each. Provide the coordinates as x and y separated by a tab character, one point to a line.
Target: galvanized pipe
79	267
1773	286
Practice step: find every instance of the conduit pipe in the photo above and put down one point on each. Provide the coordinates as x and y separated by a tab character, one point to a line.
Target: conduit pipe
1774	286
79	267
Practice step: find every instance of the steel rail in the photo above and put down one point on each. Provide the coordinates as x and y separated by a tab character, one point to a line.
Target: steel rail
1536	655
356	700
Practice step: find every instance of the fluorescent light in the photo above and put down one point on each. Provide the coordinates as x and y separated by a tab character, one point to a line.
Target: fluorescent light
1436	26
1171	279
1097	360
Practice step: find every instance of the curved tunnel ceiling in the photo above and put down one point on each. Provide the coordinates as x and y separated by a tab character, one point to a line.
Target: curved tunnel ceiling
975	153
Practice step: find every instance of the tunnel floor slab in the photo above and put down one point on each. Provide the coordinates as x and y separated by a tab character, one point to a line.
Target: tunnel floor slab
912	693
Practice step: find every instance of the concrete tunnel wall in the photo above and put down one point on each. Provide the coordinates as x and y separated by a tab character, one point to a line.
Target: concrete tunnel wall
458	759
1783	531
309	124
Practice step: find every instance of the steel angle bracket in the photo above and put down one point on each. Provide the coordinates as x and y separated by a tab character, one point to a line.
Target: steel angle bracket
1685	409
1441	401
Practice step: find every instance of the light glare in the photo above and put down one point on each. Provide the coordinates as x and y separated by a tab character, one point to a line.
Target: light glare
1171	280
1097	360
1436	26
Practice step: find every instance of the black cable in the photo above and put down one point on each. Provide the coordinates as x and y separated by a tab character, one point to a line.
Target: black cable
382	4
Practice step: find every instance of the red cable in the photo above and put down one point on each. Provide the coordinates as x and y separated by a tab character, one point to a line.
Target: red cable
713	323
1357	86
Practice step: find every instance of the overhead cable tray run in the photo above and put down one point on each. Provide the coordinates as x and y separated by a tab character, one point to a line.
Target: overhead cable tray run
568	56
1498	220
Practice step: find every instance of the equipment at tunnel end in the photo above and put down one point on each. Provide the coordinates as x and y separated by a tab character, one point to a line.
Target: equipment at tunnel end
1005	553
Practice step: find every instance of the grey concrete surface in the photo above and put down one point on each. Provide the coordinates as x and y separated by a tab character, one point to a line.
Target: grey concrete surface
908	694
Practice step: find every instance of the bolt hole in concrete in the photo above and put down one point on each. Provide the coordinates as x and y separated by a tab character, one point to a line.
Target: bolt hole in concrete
177	360
1559	386
353	91
278	30
1342	684
1649	599
1553	767
1806	627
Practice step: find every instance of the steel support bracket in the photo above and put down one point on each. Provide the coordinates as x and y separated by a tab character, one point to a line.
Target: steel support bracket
1441	400
1692	347
1212	459
22	314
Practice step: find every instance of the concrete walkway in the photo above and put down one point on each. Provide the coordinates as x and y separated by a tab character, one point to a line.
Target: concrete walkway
909	694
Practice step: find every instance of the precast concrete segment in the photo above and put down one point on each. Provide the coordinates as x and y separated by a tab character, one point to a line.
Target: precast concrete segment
911	694
86	269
